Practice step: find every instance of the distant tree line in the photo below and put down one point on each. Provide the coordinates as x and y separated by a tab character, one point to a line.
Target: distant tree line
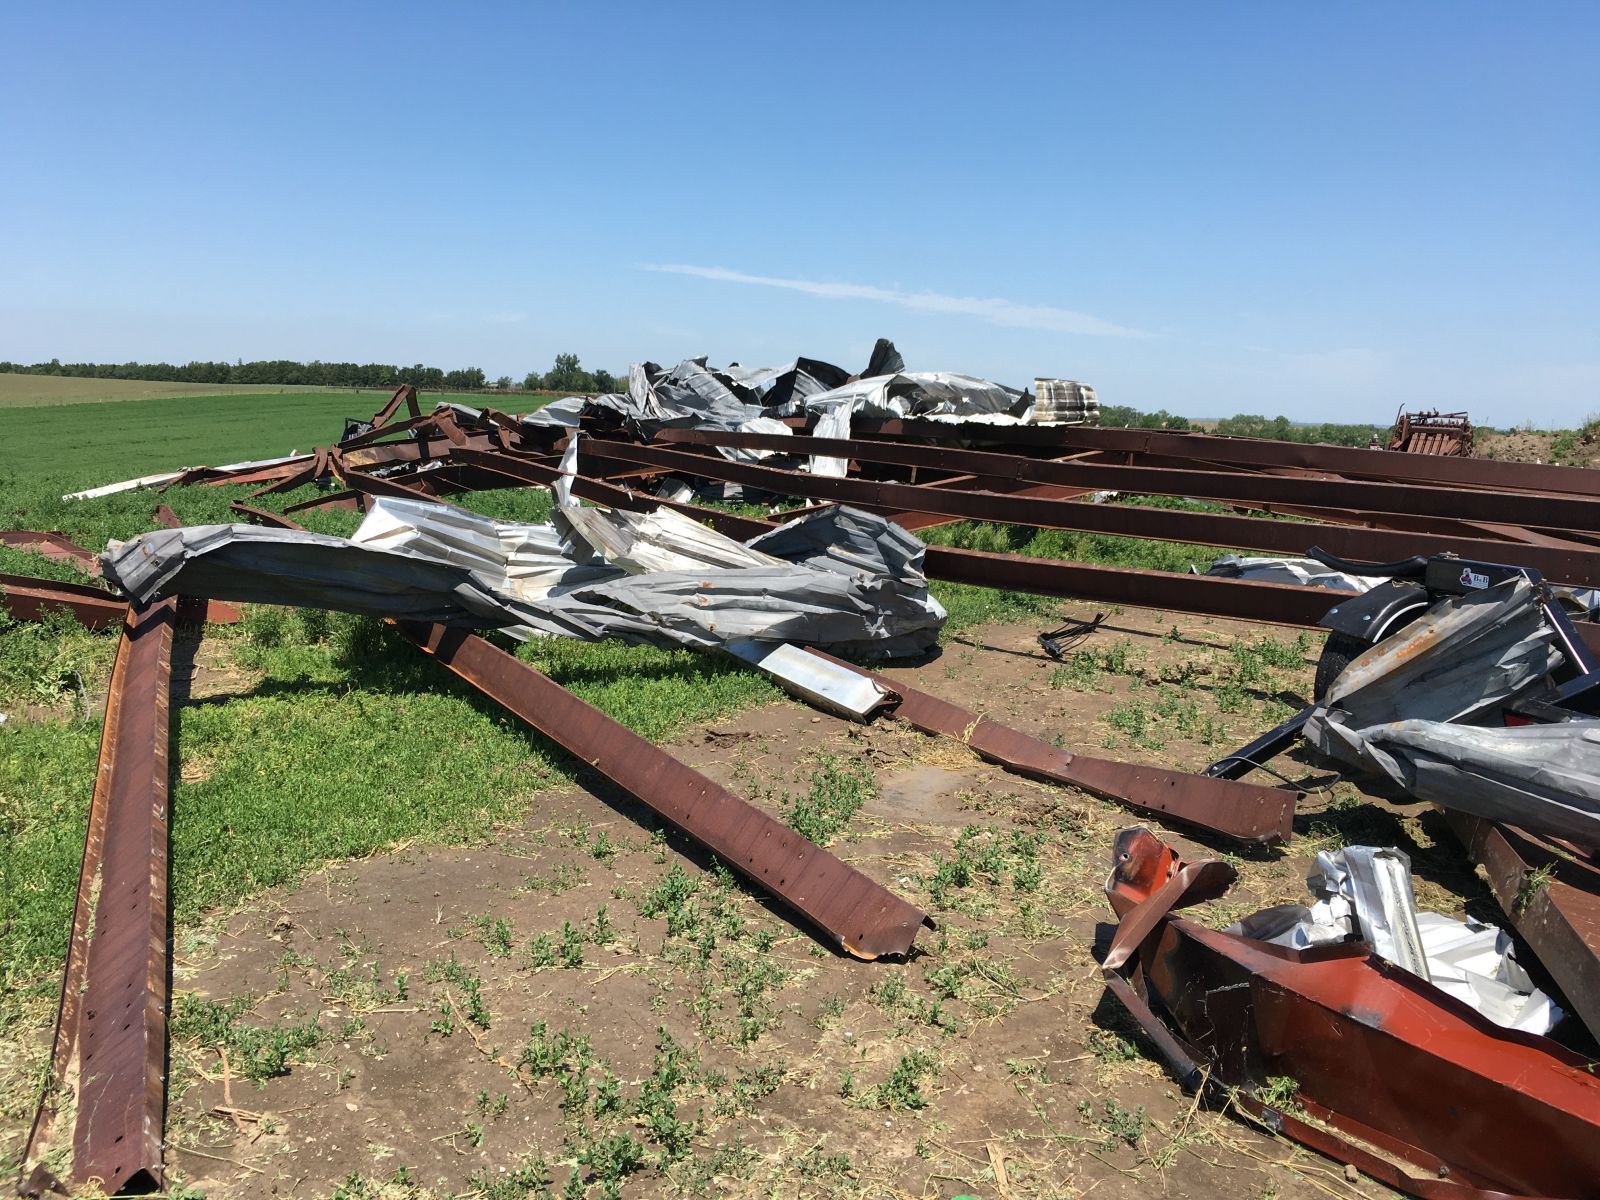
570	379
566	376
1248	425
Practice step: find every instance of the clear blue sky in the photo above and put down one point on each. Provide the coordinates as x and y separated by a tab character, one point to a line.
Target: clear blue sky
1319	210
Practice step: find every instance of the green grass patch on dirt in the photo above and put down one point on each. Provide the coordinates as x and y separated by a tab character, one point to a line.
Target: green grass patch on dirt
320	736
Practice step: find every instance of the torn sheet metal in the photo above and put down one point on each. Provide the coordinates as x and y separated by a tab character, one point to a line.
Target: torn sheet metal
1404	711
1404	1082
859	915
929	394
829	581
1245	811
106	1100
1545	778
1461	661
275	566
1306	572
816	680
694	394
1363	893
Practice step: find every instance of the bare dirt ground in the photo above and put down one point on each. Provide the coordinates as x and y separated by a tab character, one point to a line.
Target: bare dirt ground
1569	449
1516	446
584	1007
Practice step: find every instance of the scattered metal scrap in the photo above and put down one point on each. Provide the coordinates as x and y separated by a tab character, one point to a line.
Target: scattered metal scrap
860	915
1552	898
1389	1074
1247	812
1447	435
1406	1083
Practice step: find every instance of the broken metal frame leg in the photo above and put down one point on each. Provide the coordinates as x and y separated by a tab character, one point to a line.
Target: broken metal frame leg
1261	751
1245	811
860	915
108	1062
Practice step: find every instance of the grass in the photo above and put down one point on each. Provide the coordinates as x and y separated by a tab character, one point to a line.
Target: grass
77	446
324	713
49	391
30	391
317	714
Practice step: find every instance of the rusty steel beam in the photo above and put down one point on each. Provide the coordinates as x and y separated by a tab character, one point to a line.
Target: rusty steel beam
30	599
1424	1082
1559	917
329	500
1260	452
262	516
1245	811
858	914
1455	503
1200	595
52	545
1205	529
404	394
211	477
108	1057
1238	599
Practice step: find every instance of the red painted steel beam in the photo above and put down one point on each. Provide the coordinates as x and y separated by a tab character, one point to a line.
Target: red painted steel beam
1239	599
1206	529
1560	920
858	914
30	599
1350	462
1377	1054
52	545
1245	811
1455	503
1202	595
108	1058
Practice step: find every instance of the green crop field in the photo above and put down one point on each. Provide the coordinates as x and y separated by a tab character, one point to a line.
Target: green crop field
31	391
87	443
83	445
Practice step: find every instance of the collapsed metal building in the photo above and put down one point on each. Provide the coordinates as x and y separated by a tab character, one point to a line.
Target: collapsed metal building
1436	575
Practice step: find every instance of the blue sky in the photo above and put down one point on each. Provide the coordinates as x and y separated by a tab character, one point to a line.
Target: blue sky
1324	211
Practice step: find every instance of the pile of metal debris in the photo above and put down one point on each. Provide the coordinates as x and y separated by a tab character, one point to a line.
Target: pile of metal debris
1432	432
1454	673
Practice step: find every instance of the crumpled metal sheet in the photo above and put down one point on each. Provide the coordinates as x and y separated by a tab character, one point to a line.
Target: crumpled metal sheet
1406	710
829	583
1544	778
930	394
696	395
1460	661
1364	893
281	566
1307	572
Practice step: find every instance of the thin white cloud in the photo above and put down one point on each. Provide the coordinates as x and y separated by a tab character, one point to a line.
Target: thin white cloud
993	311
